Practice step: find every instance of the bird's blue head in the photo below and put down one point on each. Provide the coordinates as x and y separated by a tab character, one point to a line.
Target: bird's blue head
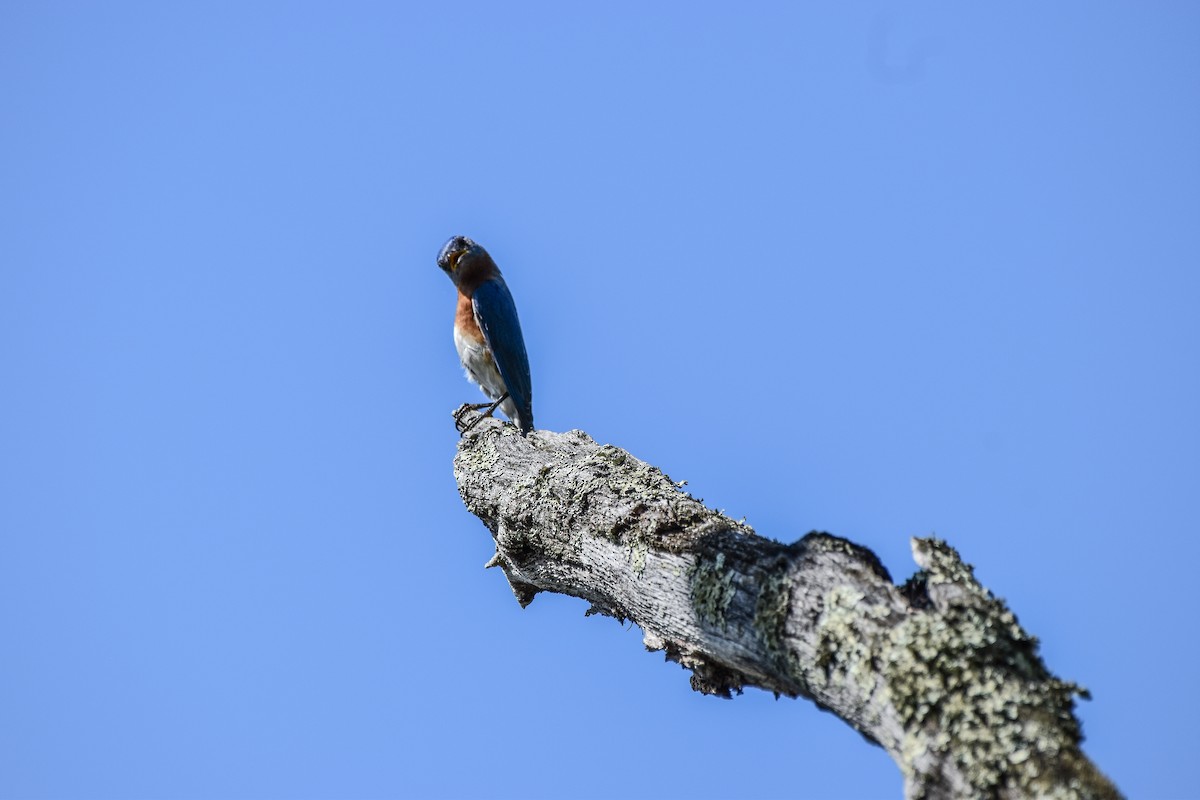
460	256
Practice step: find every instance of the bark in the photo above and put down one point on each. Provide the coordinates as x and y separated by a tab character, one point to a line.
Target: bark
937	671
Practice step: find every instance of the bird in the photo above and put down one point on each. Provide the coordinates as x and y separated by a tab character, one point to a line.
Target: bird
487	333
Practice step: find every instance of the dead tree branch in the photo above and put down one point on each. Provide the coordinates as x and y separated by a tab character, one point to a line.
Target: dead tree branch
937	671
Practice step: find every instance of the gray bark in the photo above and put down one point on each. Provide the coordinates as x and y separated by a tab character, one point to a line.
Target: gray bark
937	671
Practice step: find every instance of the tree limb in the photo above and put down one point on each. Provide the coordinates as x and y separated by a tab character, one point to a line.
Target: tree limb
936	671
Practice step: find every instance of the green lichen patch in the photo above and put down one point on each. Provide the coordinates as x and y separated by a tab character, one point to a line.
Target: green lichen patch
712	590
966	680
638	550
846	632
771	609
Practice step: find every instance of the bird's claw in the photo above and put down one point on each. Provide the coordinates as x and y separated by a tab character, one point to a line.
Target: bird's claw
465	407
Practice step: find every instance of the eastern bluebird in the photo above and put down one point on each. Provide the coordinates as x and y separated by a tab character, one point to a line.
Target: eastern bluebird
487	332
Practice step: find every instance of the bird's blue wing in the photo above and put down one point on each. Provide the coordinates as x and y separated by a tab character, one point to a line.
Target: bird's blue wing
497	316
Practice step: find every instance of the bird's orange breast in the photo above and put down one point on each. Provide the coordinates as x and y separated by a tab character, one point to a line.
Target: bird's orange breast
464	319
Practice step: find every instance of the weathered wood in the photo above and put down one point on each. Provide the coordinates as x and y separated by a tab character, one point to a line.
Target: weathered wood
937	671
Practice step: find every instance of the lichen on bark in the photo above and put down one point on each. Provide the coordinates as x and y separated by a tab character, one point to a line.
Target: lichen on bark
936	670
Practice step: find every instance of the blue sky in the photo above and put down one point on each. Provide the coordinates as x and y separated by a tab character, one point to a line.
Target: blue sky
878	270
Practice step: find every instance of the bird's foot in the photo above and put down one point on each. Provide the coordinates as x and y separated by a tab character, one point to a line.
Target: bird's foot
463	410
491	409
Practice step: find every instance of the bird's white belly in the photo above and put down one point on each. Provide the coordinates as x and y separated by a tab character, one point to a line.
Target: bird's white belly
481	368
